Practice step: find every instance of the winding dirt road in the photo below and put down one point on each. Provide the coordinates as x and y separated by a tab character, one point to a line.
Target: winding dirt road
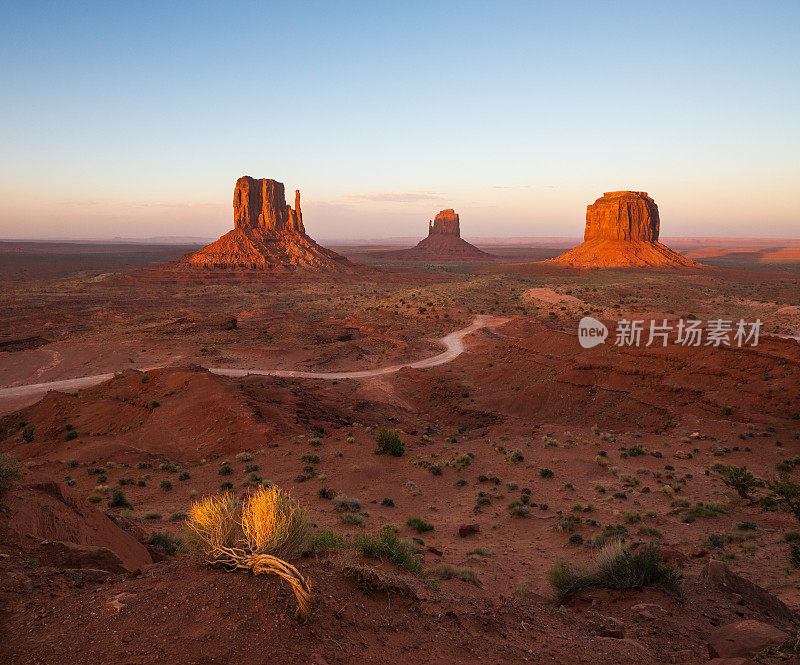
453	343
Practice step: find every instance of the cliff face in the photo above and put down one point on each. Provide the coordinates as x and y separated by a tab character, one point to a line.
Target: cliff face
268	235
622	216
261	204
622	231
445	223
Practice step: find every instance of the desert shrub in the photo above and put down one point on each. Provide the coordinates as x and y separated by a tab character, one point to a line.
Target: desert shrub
94	497
352	518
576	539
786	494
515	456
251	468
546	473
244	457
344	503
27	433
315	441
165	541
226	486
739	479
632	516
419	525
253	535
616	567
480	551
178	515
389	503
386	545
166	485
9	472
794	555
792	537
152	515
322	540
446	571
119	500
225	469
71	435
389	443
650	531
710	509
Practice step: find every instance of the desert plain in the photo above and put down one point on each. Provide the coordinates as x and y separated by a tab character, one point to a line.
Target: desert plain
521	449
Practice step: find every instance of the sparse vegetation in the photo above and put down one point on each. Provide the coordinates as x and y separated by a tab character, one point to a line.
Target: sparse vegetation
9	472
617	567
389	443
386	545
419	525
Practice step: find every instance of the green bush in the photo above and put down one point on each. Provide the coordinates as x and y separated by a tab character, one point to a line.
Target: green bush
616	567
119	500
739	479
352	518
546	473
322	540
389	443
165	541
386	545
419	525
9	472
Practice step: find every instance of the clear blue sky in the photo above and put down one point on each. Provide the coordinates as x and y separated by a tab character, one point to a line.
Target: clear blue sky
136	118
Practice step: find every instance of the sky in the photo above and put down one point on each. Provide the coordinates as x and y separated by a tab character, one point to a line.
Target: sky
134	119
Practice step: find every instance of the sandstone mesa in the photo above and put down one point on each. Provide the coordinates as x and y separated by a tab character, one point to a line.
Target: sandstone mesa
622	231
268	235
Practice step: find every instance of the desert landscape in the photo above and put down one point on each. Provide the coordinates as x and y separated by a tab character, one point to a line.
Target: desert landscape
455	452
348	333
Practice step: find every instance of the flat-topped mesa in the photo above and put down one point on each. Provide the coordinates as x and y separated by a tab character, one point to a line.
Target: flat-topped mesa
261	204
622	232
622	216
268	235
445	223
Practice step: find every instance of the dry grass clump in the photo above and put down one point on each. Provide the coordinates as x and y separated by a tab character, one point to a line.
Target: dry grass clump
253	535
617	567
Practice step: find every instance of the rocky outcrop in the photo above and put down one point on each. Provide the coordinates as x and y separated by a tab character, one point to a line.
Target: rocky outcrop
744	639
444	243
268	235
717	575
622	231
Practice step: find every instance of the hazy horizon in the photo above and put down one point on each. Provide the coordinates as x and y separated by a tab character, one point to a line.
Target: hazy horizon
135	121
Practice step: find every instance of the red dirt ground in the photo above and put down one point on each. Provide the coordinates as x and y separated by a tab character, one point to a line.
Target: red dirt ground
525	386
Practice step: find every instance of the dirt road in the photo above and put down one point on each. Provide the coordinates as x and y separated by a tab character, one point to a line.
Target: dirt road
453	343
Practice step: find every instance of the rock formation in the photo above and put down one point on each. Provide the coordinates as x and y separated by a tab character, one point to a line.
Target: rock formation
444	243
267	235
622	231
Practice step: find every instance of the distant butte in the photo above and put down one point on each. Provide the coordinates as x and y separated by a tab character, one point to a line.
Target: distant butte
268	235
622	232
444	243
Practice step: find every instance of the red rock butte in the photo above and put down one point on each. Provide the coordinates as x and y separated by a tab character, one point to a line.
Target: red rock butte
268	235
622	232
444	243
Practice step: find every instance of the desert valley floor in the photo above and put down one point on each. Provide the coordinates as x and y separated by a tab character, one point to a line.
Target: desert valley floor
520	451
